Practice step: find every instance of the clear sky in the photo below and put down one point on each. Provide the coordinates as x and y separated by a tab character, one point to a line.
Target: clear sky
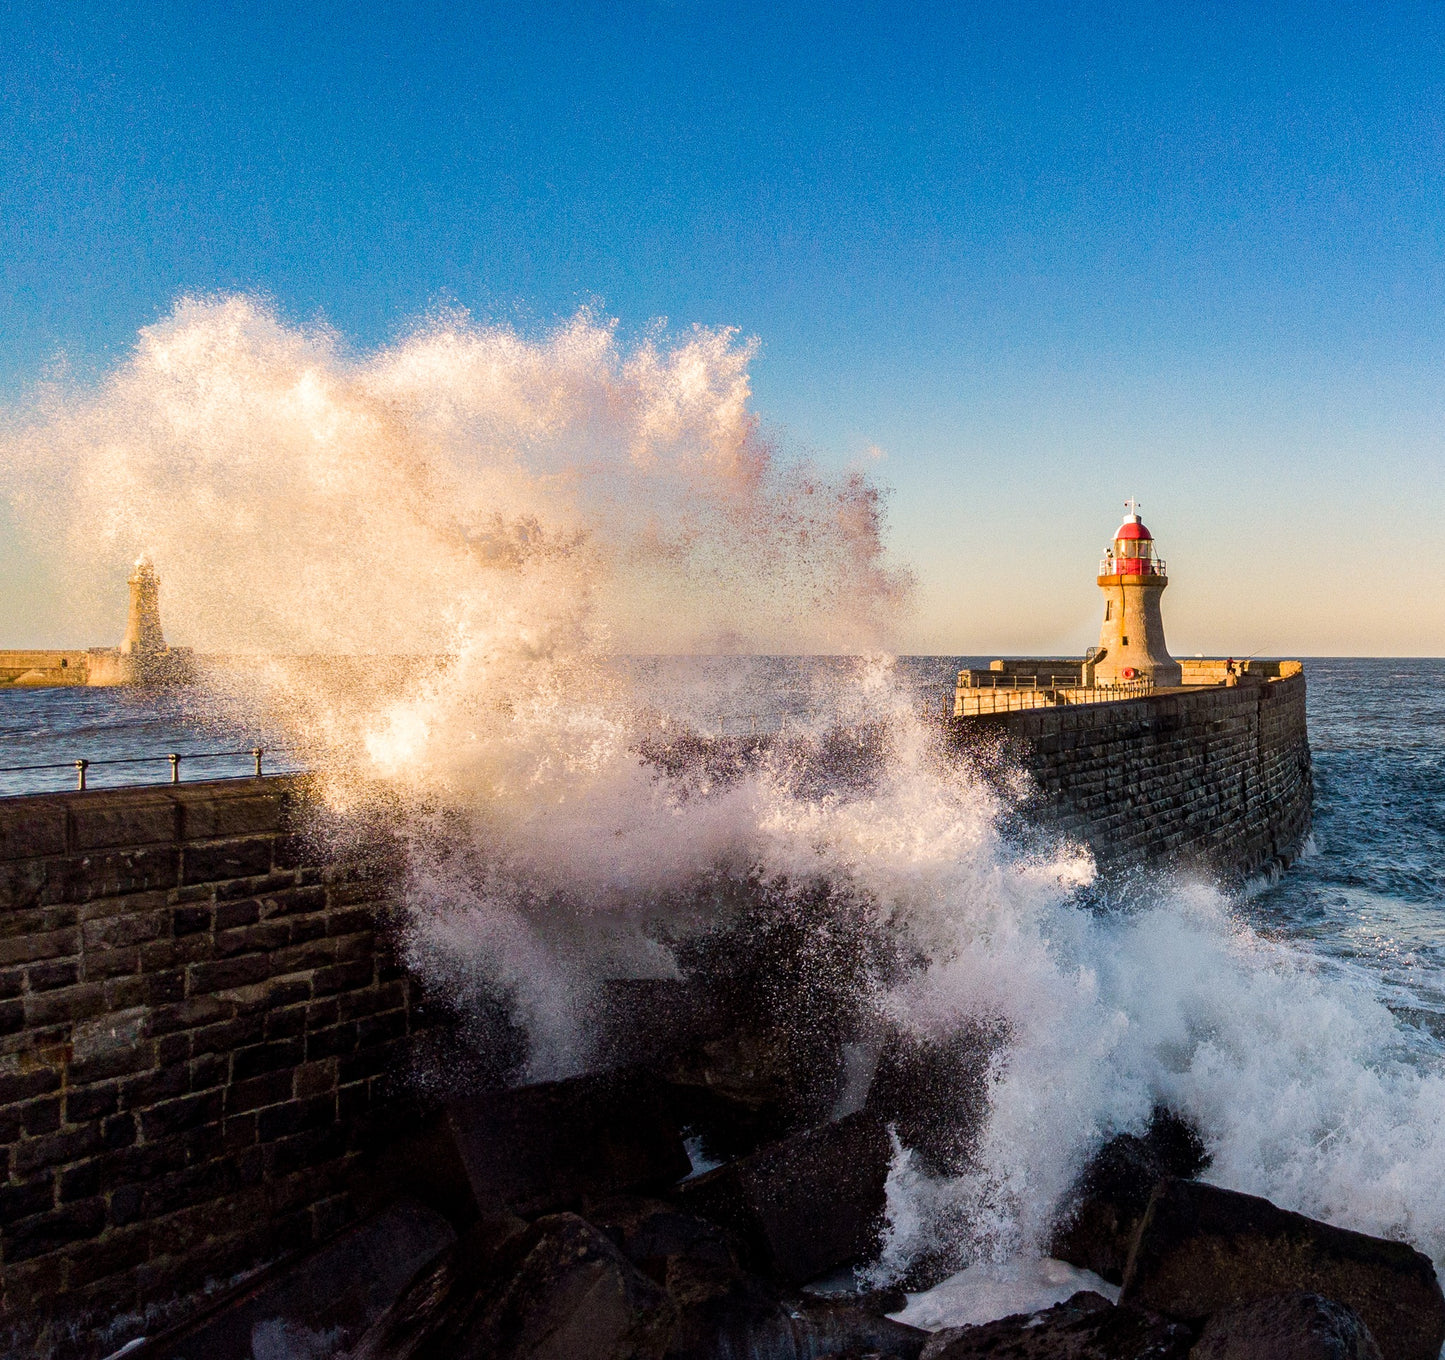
1037	257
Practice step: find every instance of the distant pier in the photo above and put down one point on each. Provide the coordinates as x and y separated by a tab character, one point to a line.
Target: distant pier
143	658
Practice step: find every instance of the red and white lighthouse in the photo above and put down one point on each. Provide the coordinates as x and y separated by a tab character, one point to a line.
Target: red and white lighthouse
1133	576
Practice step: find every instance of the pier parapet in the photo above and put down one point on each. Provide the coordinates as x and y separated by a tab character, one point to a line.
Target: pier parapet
203	1024
1202	762
1214	777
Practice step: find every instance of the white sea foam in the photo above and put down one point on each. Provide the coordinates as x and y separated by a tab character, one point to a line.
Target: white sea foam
500	515
986	1291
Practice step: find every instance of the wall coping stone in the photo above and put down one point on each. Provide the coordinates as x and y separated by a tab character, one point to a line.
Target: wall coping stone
34	826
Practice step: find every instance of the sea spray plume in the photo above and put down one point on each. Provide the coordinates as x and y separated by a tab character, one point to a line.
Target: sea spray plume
495	515
232	441
511	506
416	559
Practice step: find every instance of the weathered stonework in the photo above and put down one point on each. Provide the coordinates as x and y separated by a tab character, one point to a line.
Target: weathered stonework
202	1024
197	1023
1211	778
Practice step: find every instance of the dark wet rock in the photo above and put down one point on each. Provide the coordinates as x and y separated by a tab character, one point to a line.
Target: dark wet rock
443	1301
879	1302
1177	1144
843	1329
1103	1213
655	1235
651	1022
1201	1249
935	1093
534	1149
790	967
644	1280
805	1205
328	1300
724	1311
418	1314
1292	1326
721	1309
471	1041
751	1087
1086	1327
571	1294
421	1163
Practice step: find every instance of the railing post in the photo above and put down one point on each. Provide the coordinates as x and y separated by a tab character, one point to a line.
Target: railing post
175	760
80	767
256	751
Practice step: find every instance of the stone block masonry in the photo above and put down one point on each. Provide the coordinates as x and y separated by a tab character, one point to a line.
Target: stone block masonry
1214	778
199	1023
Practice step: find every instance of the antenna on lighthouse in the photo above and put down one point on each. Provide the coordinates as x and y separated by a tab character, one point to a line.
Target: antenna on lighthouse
1132	506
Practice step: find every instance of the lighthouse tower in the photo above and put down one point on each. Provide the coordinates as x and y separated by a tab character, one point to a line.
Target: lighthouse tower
1131	642
143	623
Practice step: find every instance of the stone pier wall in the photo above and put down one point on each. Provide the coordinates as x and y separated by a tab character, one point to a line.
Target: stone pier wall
197	1023
203	1027
53	667
1215	779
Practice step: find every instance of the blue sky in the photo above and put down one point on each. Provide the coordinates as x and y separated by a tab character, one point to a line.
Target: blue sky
1043	257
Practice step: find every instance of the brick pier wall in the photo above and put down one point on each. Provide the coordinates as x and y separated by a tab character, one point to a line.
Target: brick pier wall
197	1023
1216	779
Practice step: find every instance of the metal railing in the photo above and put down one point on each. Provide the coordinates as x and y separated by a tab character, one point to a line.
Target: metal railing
974	702
1002	680
175	759
1137	566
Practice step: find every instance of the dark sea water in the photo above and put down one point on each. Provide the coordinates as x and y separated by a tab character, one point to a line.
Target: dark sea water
1369	893
60	726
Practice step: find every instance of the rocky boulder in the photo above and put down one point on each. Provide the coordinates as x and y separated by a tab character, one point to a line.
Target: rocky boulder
658	1237
1086	1327
1107	1204
571	1294
721	1309
1201	1250
804	1205
750	1087
536	1149
1293	1326
935	1092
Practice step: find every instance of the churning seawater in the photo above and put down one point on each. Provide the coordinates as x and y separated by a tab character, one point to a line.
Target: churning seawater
1369	893
1302	1023
479	519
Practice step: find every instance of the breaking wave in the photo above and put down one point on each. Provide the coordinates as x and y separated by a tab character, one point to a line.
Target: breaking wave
426	563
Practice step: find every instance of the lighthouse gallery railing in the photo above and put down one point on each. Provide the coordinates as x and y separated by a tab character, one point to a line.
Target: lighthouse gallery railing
1132	566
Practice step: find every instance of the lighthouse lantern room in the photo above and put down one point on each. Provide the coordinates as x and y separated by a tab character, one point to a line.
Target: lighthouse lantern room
1132	577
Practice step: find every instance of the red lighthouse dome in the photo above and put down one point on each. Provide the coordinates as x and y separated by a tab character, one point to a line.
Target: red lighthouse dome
1133	550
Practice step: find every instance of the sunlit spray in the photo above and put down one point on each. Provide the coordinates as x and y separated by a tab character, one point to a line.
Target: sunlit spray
426	563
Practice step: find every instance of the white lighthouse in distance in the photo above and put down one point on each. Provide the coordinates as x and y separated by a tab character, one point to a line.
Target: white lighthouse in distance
142	657
143	636
1133	577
